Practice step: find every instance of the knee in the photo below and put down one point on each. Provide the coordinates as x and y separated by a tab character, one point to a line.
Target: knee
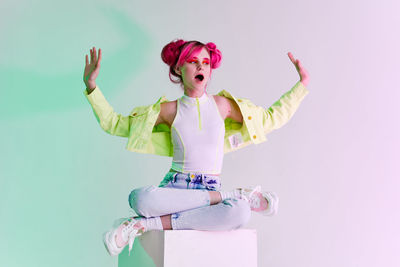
239	212
139	198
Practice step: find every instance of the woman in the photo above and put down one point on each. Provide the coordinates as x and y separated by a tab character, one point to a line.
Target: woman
195	130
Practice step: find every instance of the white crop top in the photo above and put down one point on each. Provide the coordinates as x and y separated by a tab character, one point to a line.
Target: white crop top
197	134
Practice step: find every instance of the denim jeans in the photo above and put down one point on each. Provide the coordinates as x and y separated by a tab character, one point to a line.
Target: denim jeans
186	197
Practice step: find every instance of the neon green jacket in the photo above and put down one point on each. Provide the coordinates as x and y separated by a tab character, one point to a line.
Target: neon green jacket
144	137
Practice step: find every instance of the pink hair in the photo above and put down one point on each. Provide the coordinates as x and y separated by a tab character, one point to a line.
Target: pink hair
177	52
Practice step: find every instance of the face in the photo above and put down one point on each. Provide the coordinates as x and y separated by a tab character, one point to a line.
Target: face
196	71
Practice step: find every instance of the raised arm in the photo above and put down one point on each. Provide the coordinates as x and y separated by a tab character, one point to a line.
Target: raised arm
271	118
303	73
280	112
110	121
92	69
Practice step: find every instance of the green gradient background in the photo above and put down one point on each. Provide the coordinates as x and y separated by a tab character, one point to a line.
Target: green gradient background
63	180
58	169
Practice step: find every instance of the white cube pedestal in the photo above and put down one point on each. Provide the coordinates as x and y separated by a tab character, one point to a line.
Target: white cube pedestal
191	248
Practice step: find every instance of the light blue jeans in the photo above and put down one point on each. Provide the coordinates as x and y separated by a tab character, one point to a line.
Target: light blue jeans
186	198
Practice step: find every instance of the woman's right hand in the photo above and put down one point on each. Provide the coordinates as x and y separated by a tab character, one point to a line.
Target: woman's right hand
92	69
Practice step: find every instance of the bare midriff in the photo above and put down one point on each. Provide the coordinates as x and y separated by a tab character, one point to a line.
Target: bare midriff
171	170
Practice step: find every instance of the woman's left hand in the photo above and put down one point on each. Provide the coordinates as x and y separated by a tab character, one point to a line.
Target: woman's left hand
304	77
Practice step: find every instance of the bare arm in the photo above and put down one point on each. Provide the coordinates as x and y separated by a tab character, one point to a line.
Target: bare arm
228	108
167	113
234	111
160	115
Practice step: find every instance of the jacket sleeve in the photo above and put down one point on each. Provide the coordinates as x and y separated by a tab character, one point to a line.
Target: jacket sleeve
110	121
279	113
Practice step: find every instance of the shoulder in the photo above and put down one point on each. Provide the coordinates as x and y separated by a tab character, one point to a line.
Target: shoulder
229	107
168	110
225	102
168	107
168	103
222	100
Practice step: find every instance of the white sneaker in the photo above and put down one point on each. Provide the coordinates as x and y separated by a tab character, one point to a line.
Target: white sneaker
266	203
130	229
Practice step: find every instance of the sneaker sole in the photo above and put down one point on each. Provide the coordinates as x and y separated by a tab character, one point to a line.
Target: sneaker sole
274	209
107	244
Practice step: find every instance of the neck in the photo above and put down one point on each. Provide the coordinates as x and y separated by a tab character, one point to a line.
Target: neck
194	92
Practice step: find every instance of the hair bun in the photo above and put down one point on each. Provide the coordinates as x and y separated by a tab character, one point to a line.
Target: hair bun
215	55
211	46
171	51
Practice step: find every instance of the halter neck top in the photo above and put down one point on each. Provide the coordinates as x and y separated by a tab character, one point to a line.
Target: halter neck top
197	134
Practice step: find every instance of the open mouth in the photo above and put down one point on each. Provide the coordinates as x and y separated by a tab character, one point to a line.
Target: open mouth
199	77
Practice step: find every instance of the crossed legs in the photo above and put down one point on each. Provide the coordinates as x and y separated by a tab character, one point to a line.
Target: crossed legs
189	208
215	198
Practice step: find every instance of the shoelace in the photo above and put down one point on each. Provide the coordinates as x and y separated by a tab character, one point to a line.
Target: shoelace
133	232
253	201
243	196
